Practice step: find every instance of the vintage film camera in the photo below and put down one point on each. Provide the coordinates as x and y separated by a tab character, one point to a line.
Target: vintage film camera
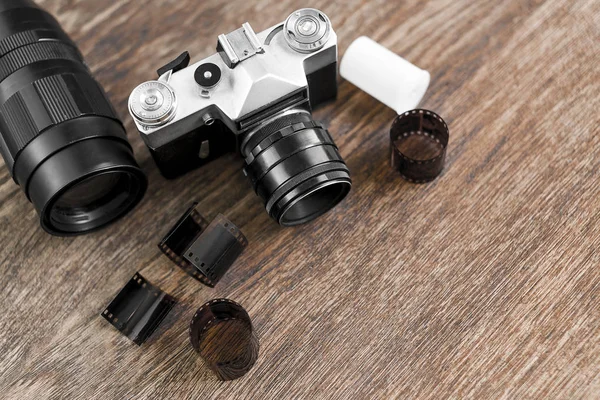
254	96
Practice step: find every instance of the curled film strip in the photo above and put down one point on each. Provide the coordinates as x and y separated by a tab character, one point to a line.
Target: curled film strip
418	142
222	333
205	251
138	309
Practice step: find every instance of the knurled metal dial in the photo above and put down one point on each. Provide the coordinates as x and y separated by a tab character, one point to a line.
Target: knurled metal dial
307	30
153	103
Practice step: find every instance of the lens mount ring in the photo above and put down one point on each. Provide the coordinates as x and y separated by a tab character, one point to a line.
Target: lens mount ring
251	139
57	137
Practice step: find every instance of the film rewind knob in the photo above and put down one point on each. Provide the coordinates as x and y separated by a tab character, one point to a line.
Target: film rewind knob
153	103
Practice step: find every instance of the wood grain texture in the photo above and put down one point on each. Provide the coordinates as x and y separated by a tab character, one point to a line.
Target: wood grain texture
483	284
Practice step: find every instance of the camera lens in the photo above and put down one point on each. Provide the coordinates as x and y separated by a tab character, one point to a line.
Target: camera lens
92	201
59	135
295	167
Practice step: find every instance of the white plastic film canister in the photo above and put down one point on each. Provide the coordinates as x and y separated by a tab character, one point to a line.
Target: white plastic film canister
384	75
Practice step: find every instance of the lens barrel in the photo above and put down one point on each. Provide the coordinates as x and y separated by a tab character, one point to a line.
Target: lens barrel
59	135
296	168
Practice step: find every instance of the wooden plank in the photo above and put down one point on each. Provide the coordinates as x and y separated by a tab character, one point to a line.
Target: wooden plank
482	284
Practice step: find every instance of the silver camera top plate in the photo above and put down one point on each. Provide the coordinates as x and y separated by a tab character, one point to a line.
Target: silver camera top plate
259	80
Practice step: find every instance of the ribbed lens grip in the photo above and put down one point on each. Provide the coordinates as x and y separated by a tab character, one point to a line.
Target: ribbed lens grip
46	102
21	24
59	135
33	53
18	40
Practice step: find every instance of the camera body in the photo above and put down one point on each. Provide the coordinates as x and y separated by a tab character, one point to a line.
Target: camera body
213	106
254	96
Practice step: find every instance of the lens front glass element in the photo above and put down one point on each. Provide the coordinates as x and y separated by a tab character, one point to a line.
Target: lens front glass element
93	201
314	203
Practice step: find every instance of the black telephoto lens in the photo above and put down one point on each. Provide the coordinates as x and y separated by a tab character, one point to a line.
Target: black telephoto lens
59	135
295	167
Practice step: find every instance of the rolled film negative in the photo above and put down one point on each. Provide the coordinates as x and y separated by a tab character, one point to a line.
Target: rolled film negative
418	142
138	309
205	251
222	333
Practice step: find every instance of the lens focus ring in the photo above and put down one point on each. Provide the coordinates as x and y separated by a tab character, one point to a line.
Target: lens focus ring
19	40
41	51
291	144
295	167
58	105
23	24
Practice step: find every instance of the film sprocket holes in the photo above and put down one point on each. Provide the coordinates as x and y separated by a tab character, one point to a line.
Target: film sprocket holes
418	138
246	98
205	251
138	309
418	142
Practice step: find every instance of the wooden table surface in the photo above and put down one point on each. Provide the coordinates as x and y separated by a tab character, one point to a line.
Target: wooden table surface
483	284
